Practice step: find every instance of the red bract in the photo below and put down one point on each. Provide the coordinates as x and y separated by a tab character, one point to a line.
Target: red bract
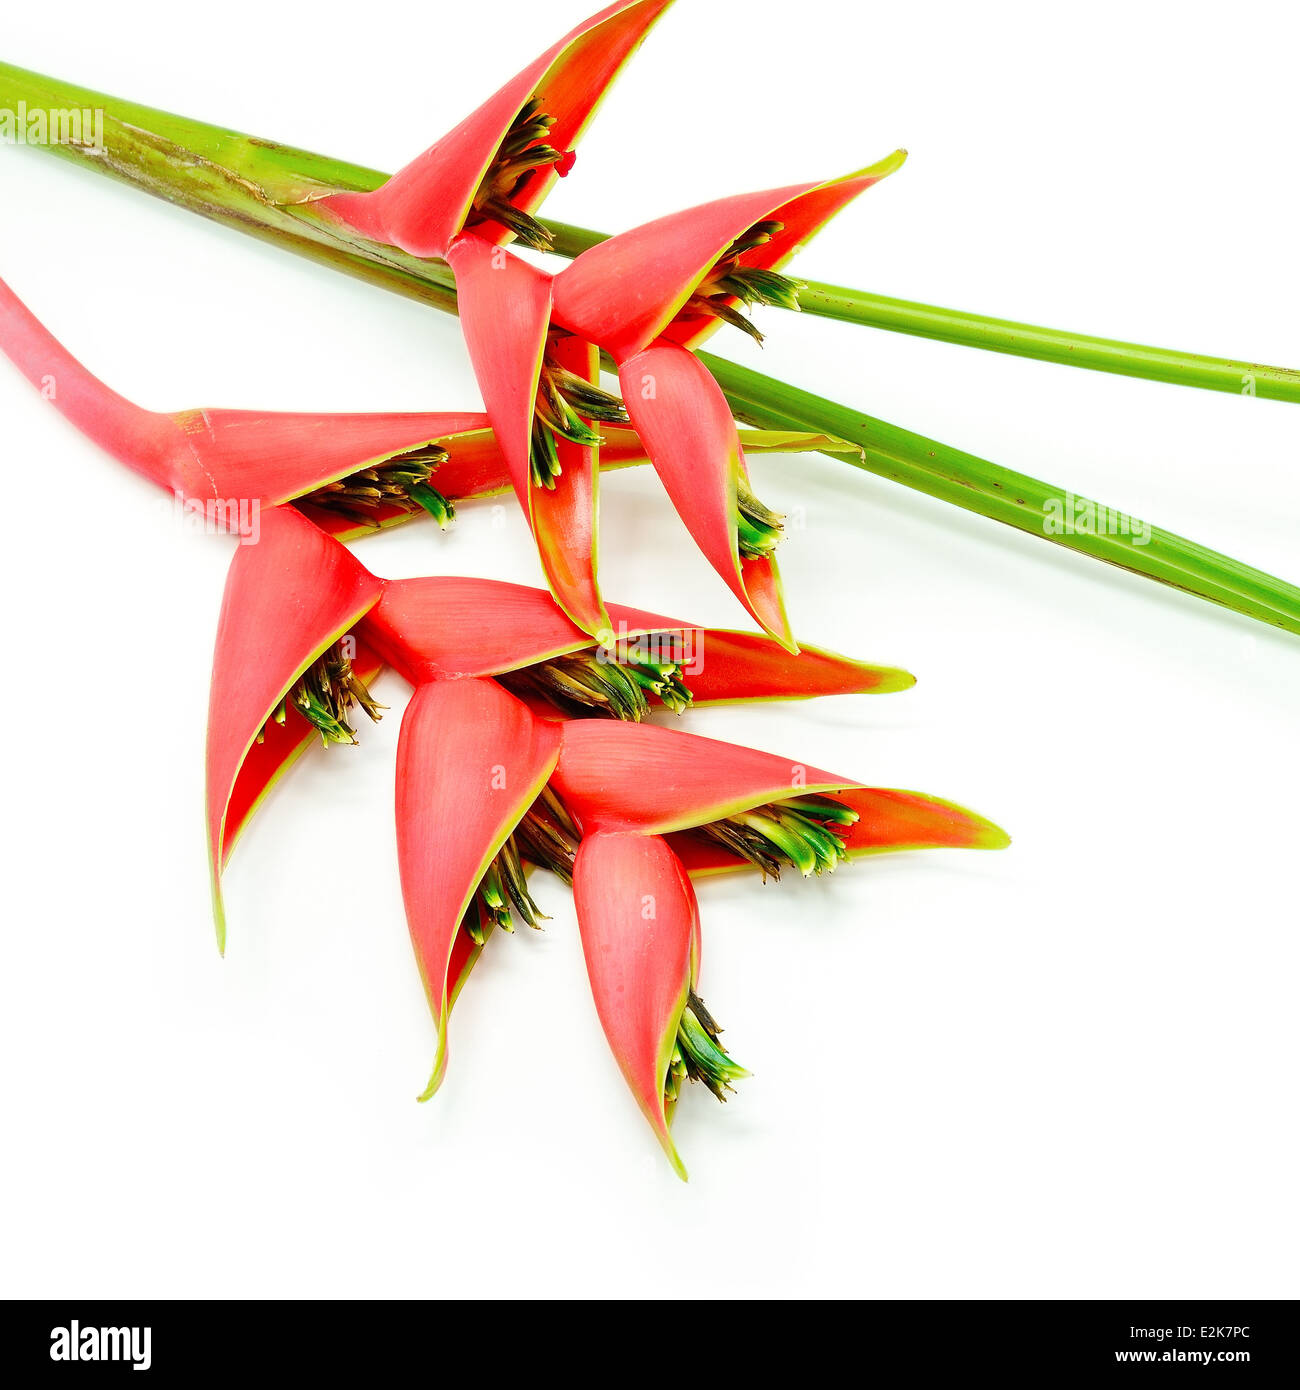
471	760
634	288
564	517
650	296
656	806
640	933
352	471
685	424
289	599
505	307
887	820
489	175
447	628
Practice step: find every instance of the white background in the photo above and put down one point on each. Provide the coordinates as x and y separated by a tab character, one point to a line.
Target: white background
1064	1070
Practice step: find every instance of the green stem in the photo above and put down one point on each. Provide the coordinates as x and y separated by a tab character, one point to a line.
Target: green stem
941	471
267	190
1052	345
1016	339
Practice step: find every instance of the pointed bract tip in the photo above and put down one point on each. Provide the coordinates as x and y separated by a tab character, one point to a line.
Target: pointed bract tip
980	832
439	1062
989	836
669	1148
761	591
881	169
219	916
891	164
767	606
891	680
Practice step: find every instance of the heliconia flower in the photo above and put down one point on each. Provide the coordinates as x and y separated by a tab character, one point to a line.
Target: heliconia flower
651	296
493	665
656	807
553	421
497	667
350	473
488	177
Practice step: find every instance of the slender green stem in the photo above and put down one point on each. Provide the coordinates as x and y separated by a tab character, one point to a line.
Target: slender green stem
1016	339
267	190
1051	345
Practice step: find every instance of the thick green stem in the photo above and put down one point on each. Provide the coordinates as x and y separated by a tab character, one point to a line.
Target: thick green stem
1026	503
259	187
268	191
